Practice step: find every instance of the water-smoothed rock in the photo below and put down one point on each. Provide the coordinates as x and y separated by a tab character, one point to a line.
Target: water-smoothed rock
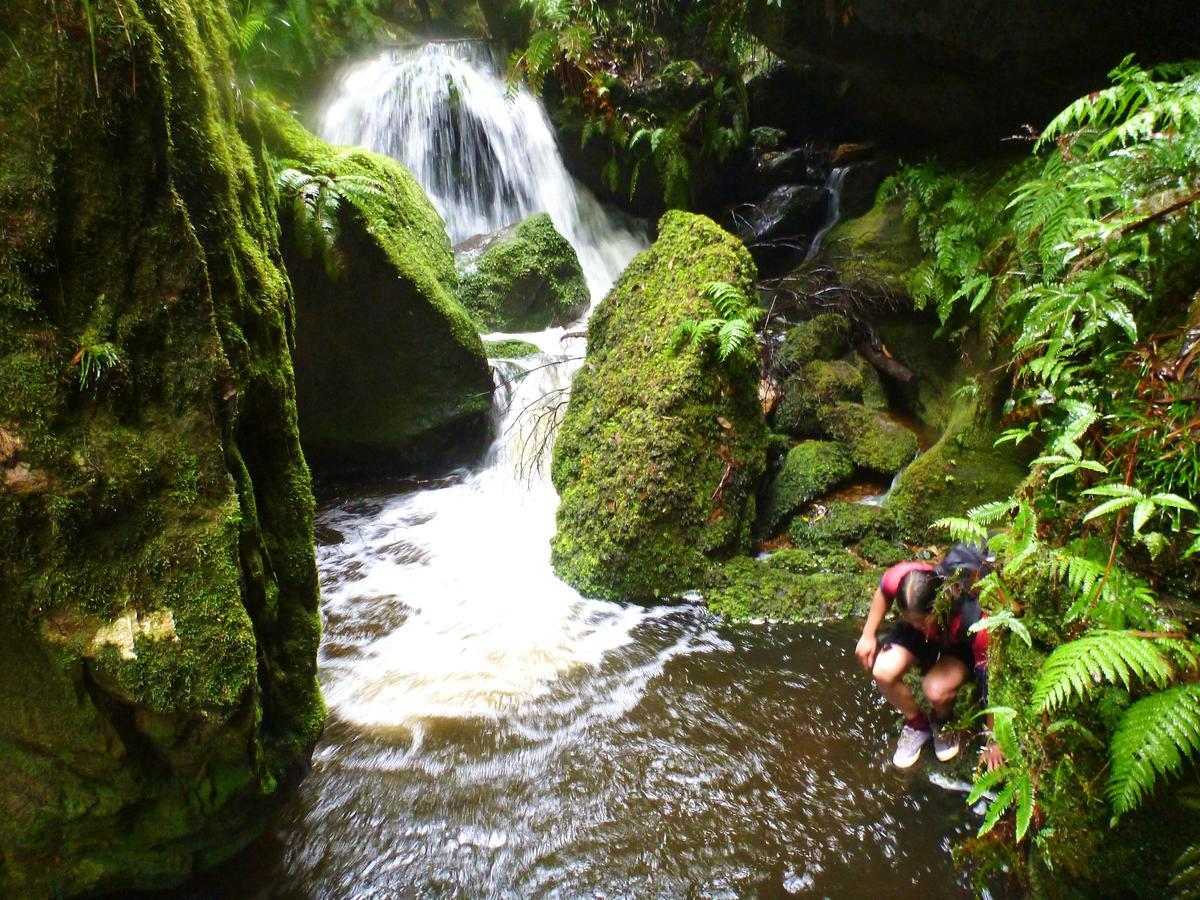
874	441
523	278
809	470
158	615
841	524
391	372
510	349
661	451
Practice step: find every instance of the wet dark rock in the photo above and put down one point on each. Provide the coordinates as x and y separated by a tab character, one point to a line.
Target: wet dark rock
922	71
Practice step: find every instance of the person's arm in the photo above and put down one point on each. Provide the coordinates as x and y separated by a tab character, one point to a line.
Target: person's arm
868	645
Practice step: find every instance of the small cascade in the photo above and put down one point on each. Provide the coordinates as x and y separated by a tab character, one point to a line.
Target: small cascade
487	158
834	188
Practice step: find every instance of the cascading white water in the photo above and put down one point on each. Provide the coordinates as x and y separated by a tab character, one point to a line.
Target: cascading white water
486	160
834	186
471	621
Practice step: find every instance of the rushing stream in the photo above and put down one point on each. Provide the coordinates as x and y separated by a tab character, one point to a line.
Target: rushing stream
491	732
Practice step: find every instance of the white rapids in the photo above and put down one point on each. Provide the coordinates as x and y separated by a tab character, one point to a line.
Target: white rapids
467	617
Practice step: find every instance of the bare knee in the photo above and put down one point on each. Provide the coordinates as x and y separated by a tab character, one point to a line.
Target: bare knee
890	666
940	690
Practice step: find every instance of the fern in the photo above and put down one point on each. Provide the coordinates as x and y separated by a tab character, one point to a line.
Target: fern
316	202
1185	877
1077	668
733	327
1153	740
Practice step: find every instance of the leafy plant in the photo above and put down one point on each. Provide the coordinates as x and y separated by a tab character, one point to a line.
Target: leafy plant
732	329
316	204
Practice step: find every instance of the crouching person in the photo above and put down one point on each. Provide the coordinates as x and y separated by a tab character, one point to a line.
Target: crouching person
943	647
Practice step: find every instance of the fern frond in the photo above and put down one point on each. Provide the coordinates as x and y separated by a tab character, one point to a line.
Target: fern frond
1154	738
1076	668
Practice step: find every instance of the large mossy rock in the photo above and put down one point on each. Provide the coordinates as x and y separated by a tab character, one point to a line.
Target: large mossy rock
390	370
158	609
661	452
808	471
792	586
523	278
964	468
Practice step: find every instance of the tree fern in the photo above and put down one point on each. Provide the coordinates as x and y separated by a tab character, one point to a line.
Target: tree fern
1077	668
1153	740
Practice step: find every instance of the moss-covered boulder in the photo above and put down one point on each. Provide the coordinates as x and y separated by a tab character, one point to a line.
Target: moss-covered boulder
842	524
809	470
821	337
874	441
873	253
777	589
390	369
964	468
811	390
158	608
511	349
661	451
523	278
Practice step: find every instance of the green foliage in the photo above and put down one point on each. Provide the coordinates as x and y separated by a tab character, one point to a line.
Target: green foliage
651	54
1018	786
1076	669
1185	878
316	203
1155	737
733	327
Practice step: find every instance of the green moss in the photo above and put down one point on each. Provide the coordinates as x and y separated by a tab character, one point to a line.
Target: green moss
841	524
881	551
874	441
510	349
812	388
391	371
809	470
526	278
822	337
169	496
745	589
962	470
875	252
660	453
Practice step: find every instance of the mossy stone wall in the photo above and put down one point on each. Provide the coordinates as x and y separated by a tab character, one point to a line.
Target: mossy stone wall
661	452
158	617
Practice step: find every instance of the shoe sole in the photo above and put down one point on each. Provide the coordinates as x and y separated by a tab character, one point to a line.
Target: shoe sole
947	755
905	764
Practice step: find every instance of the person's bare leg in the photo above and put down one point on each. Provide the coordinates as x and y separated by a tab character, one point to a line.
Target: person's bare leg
941	683
890	665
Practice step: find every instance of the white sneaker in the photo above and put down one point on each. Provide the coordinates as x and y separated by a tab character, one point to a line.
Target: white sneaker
908	748
946	744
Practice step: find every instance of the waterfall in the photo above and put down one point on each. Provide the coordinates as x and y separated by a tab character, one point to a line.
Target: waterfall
467	617
486	160
833	186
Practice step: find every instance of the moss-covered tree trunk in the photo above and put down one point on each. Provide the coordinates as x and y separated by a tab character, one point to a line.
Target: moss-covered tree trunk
158	593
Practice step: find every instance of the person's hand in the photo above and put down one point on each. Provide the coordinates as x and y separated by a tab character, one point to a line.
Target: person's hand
866	650
992	755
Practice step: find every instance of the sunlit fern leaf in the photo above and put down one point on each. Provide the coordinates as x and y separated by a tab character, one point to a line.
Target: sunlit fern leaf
961	529
1077	668
1153	740
729	300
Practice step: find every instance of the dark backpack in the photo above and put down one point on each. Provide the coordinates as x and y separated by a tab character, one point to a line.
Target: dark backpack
962	568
